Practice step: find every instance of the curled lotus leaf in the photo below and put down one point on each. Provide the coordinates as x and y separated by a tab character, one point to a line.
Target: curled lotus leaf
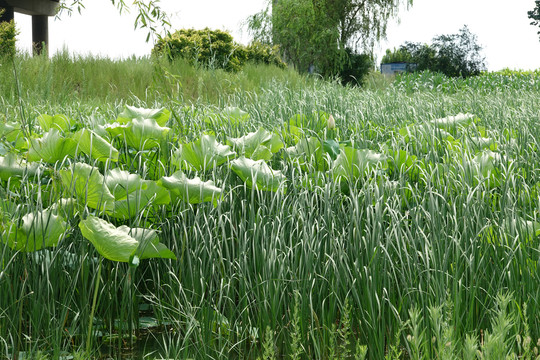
193	191
38	230
122	243
52	147
258	175
86	184
161	116
202	154
95	146
258	145
353	164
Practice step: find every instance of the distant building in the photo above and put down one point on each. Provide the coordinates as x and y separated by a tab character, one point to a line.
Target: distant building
397	67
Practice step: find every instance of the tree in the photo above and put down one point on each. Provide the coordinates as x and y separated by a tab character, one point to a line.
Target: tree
453	55
318	32
534	14
458	54
149	14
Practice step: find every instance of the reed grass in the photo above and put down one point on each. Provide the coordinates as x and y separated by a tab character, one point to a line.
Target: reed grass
388	266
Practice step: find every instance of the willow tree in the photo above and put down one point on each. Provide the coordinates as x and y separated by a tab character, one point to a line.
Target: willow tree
318	32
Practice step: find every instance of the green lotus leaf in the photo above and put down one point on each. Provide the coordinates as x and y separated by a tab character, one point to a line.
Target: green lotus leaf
95	146
331	147
316	122
485	166
257	145
121	182
65	207
235	115
353	163
193	191
58	122
39	230
202	154
510	230
309	154
132	194
161	116
52	147
122	244
450	122
479	143
261	153
11	165
11	130
141	134
258	175
87	185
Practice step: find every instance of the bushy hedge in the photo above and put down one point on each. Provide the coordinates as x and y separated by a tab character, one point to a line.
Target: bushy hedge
7	37
215	49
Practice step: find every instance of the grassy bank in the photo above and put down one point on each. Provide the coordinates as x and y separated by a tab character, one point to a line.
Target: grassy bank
391	236
66	78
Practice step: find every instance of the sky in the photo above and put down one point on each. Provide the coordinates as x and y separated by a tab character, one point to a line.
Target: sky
502	27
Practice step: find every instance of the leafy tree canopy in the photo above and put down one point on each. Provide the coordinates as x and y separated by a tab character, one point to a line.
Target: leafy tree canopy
453	55
534	14
317	33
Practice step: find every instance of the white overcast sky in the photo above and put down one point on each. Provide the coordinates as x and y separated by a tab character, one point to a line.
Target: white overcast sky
502	27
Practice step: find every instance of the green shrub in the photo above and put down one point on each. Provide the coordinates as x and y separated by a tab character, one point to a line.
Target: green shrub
356	68
215	49
207	48
7	37
259	53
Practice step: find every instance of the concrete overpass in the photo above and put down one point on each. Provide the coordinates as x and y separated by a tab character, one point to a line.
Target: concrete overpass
40	10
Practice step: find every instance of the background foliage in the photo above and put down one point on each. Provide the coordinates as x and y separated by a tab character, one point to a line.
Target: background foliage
7	37
215	49
453	55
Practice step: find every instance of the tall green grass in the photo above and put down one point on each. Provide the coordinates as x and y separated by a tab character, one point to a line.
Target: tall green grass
69	78
388	266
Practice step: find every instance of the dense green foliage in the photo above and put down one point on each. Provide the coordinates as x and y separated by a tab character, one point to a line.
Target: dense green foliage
534	15
453	55
215	49
325	36
356	68
7	38
320	222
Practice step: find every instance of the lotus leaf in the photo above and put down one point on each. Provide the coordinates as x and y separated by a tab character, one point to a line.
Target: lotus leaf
193	191
58	122
161	116
308	153
203	154
95	146
132	194
353	163
257	145
52	147
258	175
87	185
141	134
122	243
11	165
451	122
39	230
